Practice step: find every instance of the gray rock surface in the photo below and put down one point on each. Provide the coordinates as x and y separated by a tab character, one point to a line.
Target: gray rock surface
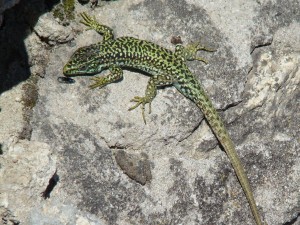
114	169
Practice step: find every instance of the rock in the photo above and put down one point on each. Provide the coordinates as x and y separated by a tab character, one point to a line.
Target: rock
103	153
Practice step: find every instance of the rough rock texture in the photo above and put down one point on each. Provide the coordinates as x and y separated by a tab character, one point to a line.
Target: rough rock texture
114	169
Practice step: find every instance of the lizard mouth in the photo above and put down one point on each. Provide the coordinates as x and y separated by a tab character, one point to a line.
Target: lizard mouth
66	71
72	71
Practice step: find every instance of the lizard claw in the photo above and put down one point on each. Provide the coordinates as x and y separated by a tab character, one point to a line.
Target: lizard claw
99	82
89	21
191	50
141	101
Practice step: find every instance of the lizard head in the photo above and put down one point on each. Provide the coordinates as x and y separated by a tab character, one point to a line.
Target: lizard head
85	61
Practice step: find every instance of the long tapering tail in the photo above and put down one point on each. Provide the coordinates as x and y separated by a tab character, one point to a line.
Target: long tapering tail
217	125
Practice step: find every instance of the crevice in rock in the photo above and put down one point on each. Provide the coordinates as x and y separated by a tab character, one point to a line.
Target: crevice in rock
293	221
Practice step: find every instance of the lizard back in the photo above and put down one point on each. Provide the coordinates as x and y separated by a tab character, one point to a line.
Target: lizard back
124	52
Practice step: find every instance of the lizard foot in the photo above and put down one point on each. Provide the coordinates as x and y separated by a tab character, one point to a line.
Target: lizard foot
89	21
92	24
141	101
99	82
191	50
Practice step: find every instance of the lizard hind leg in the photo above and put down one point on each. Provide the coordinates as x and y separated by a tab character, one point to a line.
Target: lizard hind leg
151	90
116	73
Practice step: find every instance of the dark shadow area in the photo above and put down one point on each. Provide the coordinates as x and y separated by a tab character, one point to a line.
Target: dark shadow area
293	221
52	183
17	25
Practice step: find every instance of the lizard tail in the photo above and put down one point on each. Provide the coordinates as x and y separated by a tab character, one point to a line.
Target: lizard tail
221	133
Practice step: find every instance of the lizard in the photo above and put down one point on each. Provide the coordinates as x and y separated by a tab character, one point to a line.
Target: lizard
166	68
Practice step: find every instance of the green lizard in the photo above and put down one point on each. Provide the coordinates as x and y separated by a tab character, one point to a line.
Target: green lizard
166	68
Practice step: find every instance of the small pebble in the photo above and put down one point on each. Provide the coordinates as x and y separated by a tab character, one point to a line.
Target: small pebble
65	80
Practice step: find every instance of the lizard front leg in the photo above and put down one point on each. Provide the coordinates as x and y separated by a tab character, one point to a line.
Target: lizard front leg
116	74
151	90
92	23
189	53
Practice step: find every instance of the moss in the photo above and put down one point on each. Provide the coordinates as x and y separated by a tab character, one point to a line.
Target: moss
30	92
58	12
69	6
30	95
65	11
29	100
